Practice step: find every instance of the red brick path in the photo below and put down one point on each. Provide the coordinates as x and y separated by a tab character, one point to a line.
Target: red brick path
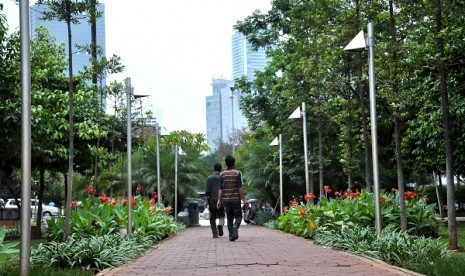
258	251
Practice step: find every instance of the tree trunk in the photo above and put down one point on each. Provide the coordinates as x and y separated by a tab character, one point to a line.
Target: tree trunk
71	136
320	144
452	227
397	134
362	95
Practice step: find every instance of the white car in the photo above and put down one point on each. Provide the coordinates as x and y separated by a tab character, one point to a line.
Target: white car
47	211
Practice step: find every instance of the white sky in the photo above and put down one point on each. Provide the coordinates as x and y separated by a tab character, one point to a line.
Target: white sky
171	49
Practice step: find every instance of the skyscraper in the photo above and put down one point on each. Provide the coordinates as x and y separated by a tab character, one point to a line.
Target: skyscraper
222	108
81	34
245	60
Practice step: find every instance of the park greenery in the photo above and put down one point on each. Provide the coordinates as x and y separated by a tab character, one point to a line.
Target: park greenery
419	70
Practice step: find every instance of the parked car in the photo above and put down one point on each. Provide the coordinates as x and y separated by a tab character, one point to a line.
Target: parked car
47	211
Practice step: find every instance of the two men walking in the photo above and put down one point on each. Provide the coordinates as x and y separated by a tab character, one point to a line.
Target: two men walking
230	193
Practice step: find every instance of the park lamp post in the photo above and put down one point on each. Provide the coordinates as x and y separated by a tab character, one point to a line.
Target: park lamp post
129	95
157	134
359	43
232	118
278	141
295	115
177	151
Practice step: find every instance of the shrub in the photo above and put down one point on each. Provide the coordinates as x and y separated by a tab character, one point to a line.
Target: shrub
394	247
95	253
103	216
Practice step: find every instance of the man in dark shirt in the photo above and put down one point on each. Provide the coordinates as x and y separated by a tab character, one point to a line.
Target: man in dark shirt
211	199
230	194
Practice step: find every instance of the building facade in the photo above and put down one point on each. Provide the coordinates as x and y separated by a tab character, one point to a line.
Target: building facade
222	108
245	60
81	34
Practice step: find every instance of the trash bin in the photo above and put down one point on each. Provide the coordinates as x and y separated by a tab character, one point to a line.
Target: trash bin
193	209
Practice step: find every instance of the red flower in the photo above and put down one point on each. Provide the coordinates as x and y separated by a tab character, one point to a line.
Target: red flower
286	208
139	188
327	189
133	201
152	202
426	198
166	210
306	197
336	194
113	201
90	190
302	211
356	194
104	198
73	204
294	202
381	199
409	195
154	195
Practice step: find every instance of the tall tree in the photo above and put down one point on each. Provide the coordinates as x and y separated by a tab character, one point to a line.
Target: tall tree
70	12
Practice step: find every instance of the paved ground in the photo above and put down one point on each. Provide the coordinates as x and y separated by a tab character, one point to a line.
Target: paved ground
258	251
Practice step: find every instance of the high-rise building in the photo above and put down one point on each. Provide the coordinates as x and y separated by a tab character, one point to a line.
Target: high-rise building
81	34
245	60
222	108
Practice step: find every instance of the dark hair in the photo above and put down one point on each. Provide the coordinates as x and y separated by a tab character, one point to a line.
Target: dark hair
217	167
229	160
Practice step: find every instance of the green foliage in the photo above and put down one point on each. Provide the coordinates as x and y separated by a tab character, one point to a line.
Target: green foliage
102	216
264	217
6	248
93	252
358	209
393	247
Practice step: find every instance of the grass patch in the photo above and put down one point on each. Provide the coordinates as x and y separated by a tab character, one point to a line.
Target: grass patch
444	234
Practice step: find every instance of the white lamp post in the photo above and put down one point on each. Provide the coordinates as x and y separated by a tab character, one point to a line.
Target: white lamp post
157	134
129	95
232	118
297	114
359	43
177	151
278	141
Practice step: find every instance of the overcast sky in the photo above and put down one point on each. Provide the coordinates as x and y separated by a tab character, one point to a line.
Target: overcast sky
171	49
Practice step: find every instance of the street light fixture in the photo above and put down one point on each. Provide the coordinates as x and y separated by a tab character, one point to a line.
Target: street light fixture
129	94
278	141
297	114
359	43
177	151
232	117
157	134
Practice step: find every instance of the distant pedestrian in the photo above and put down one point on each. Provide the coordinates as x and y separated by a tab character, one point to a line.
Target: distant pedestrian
230	194
211	200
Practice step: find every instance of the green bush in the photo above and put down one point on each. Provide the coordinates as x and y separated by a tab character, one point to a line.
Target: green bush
264	217
358	208
94	253
103	216
394	247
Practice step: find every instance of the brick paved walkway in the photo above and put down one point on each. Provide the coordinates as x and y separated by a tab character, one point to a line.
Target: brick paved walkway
258	251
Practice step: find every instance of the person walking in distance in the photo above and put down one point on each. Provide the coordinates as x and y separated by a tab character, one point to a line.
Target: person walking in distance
230	194
211	199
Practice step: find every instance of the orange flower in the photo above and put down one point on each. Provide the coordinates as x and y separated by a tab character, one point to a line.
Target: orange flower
336	194
113	201
294	202
152	202
166	210
302	212
154	195
139	188
354	195
286	208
